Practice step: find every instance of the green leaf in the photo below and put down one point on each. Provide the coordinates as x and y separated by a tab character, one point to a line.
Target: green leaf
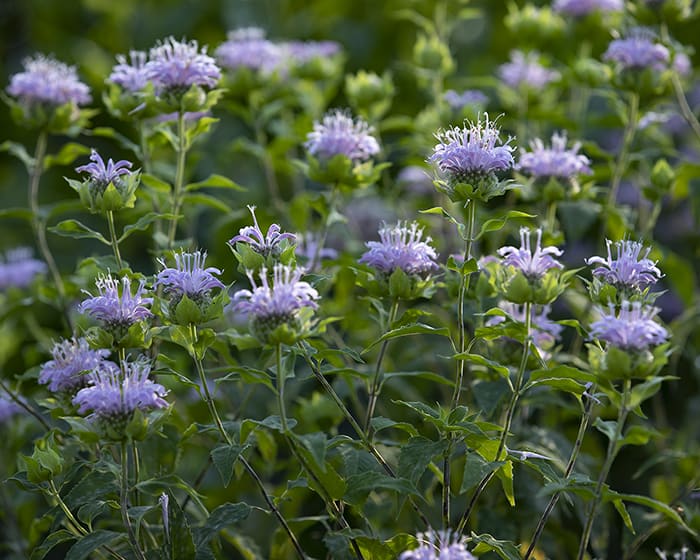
206	200
475	469
486	543
380	423
564	385
416	455
496	224
360	485
181	541
409	330
51	541
316	446
651	503
563	372
20	152
142	223
76	230
622	510
214	181
224	516
503	371
155	183
67	155
19	213
87	545
224	458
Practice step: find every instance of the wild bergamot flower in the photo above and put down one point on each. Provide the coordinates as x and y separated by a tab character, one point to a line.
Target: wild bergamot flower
247	47
631	327
8	408
175	66
532	263
339	134
130	73
578	8
555	161
638	51
263	244
18	268
275	306
47	81
630	269
71	358
117	310
401	246
525	71
439	545
469	159
467	98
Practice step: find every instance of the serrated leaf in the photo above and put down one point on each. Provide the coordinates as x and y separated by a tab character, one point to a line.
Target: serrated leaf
503	371
496	224
77	230
486	543
563	372
87	545
416	455
66	155
142	223
206	200
224	516
214	181
50	542
360	485
475	469
224	458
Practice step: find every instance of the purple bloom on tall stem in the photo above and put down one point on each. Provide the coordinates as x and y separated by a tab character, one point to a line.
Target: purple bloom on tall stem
637	51
71	358
278	300
301	52
178	65
101	174
439	545
629	269
525	70
473	151
48	81
338	133
631	328
115	309
114	395
580	8
555	161
401	246
189	277
248	48
18	269
533	264
130	74
545	332
307	246
269	244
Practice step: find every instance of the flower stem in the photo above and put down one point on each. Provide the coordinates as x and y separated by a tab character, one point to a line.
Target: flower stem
510	411
323	235
25	406
377	379
113	239
246	465
358	429
605	470
627	138
327	498
38	221
583	426
268	167
123	502
179	176
461	364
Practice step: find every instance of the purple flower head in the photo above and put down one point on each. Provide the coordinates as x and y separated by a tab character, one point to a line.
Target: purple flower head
189	277
471	152
467	98
46	80
632	328
301	52
8	408
639	50
130	74
114	395
248	48
555	161
277	302
101	174
415	179
18	269
525	70
70	358
264	245
439	545
117	310
682	64
176	65
401	246
533	264
545	332
629	269
339	133
307	247
578	8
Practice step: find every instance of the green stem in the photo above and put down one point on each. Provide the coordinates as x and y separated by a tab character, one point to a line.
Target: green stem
461	364
376	386
38	223
583	426
246	465
179	176
330	502
358	429
508	421
605	470
123	502
551	220
332	201
113	238
627	138
268	168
